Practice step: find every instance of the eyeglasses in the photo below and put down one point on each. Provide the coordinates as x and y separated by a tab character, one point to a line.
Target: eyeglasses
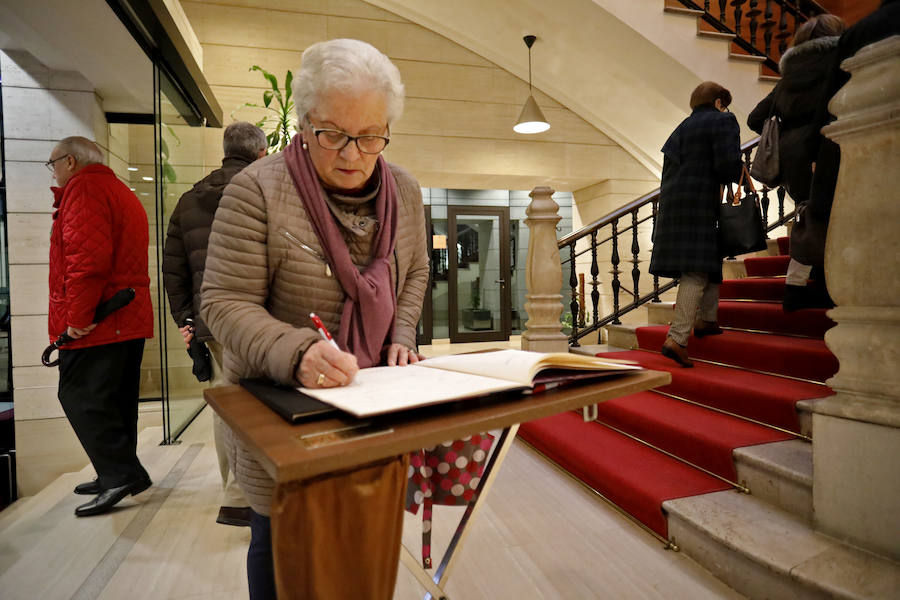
49	163
334	139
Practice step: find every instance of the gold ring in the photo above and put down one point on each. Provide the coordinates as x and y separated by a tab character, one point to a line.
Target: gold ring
321	379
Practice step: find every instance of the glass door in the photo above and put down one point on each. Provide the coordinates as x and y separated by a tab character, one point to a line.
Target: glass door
479	286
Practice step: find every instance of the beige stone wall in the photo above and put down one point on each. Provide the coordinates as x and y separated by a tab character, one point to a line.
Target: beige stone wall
40	107
457	128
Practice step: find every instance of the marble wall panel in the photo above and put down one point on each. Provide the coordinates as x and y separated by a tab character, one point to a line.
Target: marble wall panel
28	187
29	237
28	289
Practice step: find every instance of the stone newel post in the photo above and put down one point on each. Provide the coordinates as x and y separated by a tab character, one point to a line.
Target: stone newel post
543	276
856	433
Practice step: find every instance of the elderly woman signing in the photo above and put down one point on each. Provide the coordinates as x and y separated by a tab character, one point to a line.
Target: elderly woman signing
328	227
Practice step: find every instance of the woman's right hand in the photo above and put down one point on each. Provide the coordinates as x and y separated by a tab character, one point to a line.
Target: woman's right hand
336	368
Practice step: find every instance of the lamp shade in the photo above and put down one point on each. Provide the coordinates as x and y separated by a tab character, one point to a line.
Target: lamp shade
531	120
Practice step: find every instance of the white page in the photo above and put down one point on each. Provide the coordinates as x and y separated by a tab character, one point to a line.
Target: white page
386	389
520	366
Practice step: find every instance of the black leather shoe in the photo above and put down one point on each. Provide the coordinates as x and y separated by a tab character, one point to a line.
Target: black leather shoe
90	488
230	515
106	499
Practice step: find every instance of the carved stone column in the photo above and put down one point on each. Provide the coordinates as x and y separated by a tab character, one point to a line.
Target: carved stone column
856	433
543	276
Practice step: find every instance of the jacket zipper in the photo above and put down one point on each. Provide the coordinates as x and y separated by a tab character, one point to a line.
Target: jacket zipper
293	239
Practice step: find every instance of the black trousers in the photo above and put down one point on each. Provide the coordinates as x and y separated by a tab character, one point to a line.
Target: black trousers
260	562
99	389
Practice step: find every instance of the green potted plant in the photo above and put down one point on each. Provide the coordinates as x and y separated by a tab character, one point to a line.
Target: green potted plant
279	121
475	317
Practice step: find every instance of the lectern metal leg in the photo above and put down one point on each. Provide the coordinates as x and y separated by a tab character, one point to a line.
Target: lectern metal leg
415	567
339	535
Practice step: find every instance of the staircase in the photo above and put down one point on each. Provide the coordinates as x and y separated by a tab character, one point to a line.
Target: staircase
719	462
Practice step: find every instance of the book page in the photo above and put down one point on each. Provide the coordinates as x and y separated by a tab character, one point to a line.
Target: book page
520	366
379	390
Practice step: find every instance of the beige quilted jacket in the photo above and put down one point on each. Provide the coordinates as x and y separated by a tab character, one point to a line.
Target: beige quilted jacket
260	286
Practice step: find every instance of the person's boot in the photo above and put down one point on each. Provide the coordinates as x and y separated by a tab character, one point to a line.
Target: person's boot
676	352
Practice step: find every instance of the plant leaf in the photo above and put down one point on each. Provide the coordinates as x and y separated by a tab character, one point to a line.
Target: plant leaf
288	81
267	98
271	78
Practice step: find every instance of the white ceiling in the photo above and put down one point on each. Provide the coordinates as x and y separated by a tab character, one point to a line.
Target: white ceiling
83	36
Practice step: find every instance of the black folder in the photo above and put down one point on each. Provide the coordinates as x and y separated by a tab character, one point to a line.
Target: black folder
291	405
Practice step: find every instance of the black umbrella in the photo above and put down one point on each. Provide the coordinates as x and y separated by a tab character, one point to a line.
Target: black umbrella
198	351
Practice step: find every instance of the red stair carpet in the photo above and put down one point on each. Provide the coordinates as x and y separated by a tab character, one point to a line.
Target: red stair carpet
760	374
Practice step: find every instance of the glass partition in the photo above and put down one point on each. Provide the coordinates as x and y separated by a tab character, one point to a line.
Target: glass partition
179	154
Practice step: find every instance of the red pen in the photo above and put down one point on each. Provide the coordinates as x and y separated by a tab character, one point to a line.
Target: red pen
322	330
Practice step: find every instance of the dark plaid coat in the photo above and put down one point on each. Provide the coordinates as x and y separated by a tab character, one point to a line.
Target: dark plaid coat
702	153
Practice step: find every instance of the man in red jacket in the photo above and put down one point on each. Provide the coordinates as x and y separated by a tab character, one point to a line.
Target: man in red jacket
98	246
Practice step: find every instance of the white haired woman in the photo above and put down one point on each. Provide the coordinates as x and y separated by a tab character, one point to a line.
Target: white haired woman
328	227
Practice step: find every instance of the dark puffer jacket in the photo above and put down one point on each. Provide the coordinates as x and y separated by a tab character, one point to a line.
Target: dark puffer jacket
184	258
804	79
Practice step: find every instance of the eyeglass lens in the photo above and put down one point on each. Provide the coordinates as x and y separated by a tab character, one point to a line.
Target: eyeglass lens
331	139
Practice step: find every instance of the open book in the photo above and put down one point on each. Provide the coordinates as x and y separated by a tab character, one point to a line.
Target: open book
445	378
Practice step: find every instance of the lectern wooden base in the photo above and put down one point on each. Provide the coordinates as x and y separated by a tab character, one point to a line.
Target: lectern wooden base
341	531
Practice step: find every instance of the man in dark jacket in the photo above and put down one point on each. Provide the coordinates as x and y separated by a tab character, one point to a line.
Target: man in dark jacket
702	154
184	261
98	246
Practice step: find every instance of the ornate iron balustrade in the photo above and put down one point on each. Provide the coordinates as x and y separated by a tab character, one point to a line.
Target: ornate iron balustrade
760	27
610	229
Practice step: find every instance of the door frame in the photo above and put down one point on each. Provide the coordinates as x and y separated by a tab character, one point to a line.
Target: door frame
503	332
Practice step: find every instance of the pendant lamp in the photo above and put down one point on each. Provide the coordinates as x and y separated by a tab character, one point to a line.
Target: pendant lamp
531	120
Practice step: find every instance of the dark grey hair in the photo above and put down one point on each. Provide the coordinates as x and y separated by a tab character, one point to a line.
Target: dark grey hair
346	65
83	150
244	139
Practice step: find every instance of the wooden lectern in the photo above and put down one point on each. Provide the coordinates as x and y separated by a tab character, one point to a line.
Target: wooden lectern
337	511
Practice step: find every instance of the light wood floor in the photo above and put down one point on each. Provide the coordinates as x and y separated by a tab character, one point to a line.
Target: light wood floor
540	535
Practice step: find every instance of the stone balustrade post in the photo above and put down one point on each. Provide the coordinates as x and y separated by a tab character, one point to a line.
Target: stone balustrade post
856	433
543	276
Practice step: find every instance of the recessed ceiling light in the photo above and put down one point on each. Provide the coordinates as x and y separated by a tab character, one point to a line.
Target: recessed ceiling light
145	178
132	168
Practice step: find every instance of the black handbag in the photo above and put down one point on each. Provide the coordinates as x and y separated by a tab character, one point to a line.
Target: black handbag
808	238
741	228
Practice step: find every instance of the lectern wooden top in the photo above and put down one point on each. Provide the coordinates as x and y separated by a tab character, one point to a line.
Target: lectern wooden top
296	452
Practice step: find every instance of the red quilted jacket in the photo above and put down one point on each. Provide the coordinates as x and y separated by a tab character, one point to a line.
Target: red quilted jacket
98	245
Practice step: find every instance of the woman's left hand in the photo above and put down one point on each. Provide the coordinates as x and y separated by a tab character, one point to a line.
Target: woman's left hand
398	354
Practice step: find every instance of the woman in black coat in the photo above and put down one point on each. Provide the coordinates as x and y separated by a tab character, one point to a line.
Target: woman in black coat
702	154
805	69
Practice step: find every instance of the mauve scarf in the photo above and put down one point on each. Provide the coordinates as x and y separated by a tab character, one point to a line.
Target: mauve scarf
367	319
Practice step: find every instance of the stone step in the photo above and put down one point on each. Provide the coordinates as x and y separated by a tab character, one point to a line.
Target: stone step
31	529
28	507
765	552
779	473
622	336
660	313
